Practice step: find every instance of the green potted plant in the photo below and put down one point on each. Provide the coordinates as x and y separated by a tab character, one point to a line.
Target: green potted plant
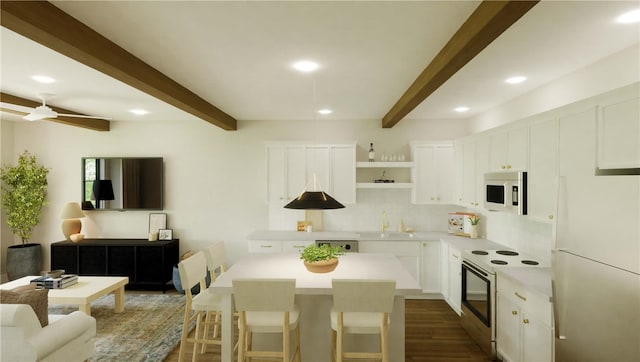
322	258
24	189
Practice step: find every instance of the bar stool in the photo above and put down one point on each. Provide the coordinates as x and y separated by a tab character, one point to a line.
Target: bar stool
361	307
267	306
193	271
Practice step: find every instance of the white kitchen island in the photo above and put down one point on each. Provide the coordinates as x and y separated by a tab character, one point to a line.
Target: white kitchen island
314	298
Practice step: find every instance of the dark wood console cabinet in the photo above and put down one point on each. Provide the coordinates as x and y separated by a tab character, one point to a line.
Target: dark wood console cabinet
148	264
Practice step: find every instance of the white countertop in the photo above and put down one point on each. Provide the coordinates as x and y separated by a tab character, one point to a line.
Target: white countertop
289	265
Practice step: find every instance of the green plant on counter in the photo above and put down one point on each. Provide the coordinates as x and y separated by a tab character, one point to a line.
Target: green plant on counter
474	219
323	252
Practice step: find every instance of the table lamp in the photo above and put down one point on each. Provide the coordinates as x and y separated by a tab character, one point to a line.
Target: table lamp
71	215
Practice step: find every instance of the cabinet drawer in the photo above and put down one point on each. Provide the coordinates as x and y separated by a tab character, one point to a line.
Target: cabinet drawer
290	246
535	304
398	248
259	246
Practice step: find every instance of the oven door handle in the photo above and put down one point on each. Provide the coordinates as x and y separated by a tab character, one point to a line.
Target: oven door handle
474	268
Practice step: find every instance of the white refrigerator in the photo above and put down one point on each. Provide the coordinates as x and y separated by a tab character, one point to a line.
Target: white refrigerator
596	268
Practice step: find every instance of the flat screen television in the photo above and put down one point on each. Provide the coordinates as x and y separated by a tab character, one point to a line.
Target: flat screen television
122	183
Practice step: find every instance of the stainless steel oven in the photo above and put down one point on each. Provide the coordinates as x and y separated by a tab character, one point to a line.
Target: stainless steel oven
478	305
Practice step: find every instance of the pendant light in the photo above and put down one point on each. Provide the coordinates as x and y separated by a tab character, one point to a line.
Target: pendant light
316	199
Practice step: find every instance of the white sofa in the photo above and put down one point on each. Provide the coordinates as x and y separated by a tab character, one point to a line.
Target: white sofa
67	338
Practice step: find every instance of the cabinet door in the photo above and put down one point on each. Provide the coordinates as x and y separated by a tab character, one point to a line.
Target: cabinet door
343	174
65	258
445	173
508	150
455	280
459	173
93	260
543	167
425	185
296	171
149	266
444	269
469	174
276	183
431	267
433	173
481	167
508	328
537	340
619	135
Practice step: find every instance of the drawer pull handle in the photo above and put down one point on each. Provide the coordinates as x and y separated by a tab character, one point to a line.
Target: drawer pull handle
266	246
519	296
299	246
514	312
525	321
455	256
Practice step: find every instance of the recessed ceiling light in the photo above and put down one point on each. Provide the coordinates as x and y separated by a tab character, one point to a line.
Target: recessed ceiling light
325	111
461	109
516	79
305	66
629	17
43	79
139	112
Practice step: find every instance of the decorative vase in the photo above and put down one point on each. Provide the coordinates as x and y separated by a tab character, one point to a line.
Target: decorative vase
473	233
322	266
23	260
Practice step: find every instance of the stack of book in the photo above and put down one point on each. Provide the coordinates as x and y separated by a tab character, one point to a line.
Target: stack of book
60	282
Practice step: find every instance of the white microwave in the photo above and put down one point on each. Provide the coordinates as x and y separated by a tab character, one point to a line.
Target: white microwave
506	191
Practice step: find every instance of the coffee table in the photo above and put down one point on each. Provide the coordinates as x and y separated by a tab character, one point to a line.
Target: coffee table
82	293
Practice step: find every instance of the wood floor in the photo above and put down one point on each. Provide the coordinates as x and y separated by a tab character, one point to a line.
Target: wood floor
432	333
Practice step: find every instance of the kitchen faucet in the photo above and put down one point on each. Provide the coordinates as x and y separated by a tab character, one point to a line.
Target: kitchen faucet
385	223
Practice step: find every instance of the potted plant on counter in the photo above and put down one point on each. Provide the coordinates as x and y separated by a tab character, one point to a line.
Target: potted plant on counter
322	258
24	189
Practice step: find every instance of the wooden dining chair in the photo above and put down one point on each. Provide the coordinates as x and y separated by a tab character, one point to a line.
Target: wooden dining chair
267	306
361	307
217	265
193	271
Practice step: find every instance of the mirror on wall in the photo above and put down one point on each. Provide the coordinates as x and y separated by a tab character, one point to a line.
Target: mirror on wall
122	183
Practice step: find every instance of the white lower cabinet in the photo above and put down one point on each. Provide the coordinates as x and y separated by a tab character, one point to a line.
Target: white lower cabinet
408	252
524	320
455	279
430	280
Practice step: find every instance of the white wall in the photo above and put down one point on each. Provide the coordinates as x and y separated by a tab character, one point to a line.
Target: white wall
612	72
215	181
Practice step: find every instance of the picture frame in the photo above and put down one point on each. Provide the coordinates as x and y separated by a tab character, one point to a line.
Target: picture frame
165	234
157	221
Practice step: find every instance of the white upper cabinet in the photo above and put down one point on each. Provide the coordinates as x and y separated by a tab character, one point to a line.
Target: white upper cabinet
619	135
433	173
291	169
543	169
342	177
508	150
472	152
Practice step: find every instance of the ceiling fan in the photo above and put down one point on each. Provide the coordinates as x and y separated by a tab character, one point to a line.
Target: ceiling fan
45	112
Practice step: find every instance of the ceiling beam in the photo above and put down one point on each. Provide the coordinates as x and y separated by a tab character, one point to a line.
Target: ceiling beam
486	23
48	25
88	123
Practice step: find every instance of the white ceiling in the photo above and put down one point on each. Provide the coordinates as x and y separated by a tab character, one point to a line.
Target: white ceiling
237	55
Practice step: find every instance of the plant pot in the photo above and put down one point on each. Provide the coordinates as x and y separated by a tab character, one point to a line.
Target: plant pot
322	266
23	260
473	233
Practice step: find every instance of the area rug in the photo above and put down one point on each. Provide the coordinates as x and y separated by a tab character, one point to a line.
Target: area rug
148	329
